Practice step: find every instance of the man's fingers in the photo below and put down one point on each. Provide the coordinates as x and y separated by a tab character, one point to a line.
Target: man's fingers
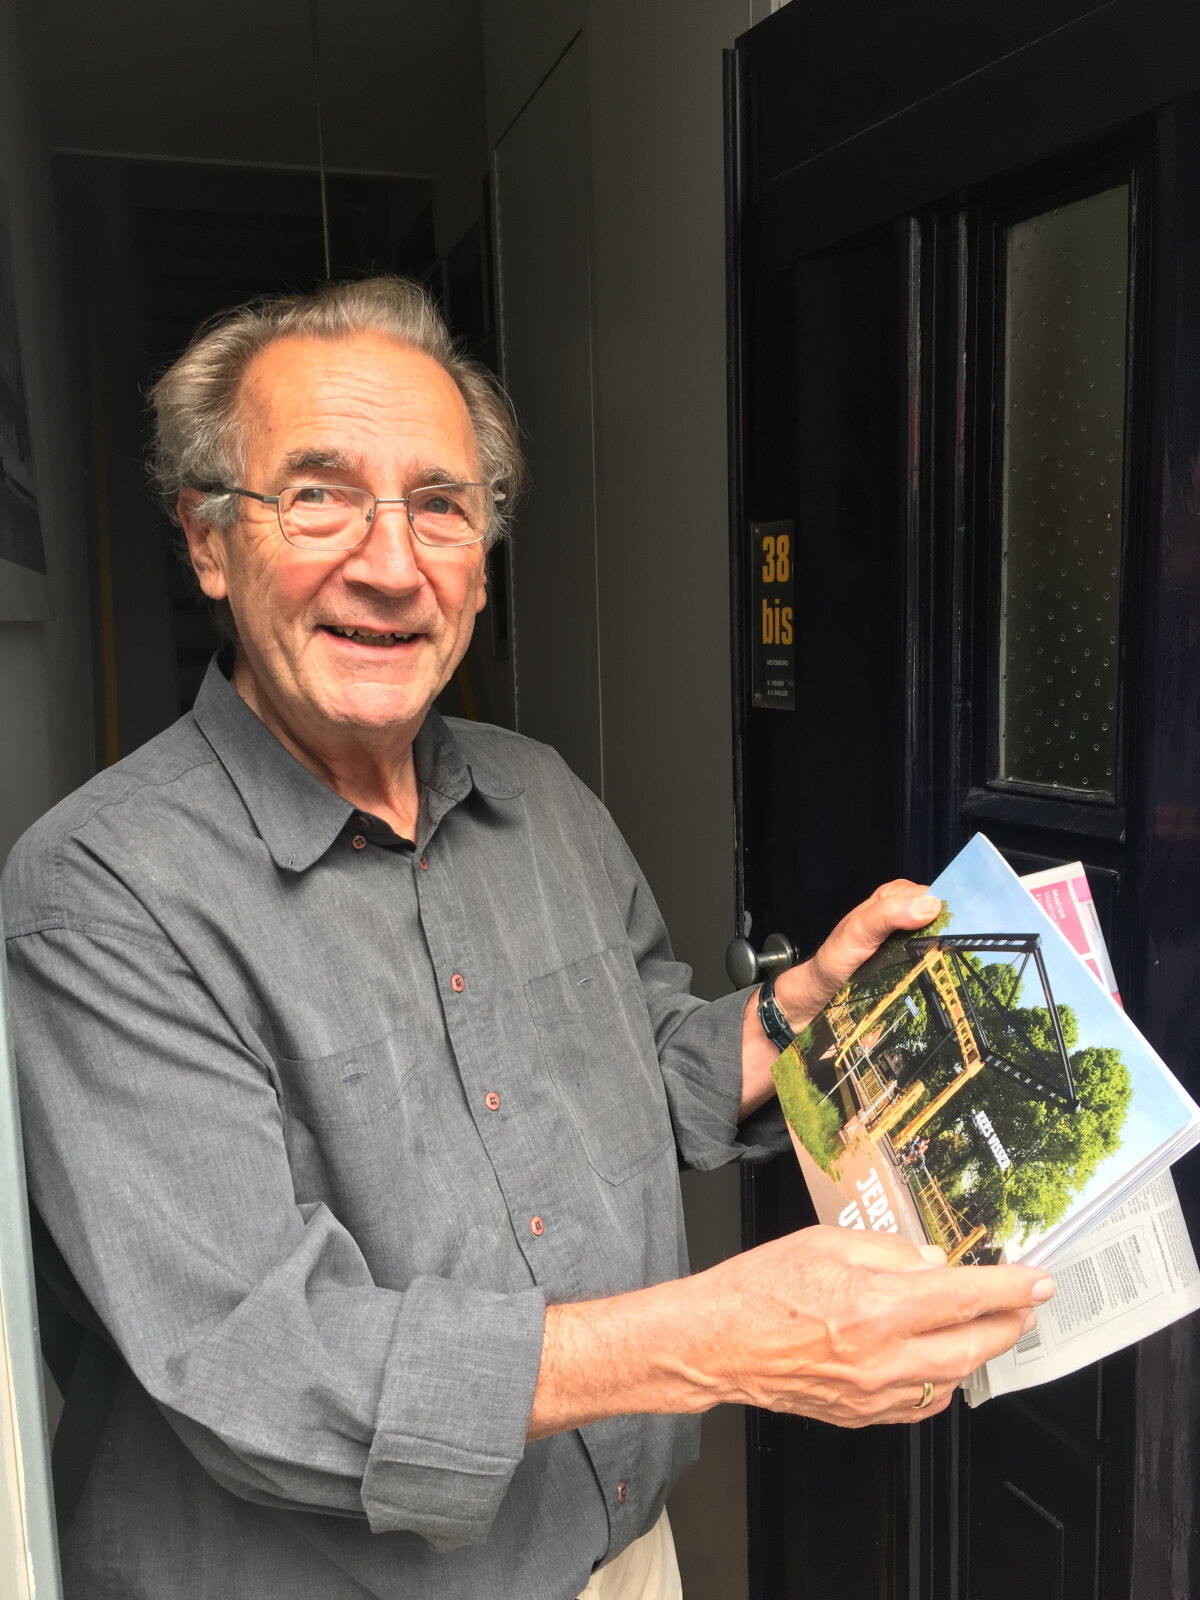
947	1355
1001	1288
901	905
880	1252
956	1295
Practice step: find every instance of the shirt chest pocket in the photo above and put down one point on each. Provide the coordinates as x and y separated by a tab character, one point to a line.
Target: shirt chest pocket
351	1087
598	1047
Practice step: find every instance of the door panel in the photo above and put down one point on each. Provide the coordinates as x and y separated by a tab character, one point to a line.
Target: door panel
957	308
828	457
889	58
1062	85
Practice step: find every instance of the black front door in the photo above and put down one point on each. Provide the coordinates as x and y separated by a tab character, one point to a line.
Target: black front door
965	336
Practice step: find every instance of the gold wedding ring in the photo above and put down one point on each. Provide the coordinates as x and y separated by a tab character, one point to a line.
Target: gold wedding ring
926	1397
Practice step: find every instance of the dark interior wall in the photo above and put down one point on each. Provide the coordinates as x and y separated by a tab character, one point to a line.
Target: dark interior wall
156	248
187	141
400	87
47	723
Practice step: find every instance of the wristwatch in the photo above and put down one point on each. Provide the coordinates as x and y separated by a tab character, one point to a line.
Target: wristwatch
774	1023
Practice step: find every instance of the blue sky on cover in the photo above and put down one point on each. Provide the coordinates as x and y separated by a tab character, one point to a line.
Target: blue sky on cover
985	896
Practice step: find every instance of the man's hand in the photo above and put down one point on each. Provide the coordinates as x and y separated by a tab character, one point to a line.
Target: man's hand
836	1324
847	1327
802	990
900	905
831	1323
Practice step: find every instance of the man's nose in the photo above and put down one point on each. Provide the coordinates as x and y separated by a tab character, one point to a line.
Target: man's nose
387	557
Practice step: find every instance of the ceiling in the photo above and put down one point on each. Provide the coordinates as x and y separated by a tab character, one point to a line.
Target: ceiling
232	80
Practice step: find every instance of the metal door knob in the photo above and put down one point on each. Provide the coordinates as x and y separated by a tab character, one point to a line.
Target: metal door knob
745	965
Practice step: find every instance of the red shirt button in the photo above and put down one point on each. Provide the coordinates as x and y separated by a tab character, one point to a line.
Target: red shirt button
457	982
363	822
359	842
492	1100
423	864
622	1492
537	1227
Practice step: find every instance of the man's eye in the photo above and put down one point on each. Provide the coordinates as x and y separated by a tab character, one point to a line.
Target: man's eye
441	505
312	494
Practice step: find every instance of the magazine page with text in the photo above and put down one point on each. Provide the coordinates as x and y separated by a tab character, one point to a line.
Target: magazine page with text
1129	1275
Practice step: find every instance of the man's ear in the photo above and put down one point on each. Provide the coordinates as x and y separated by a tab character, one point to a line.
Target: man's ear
206	545
481	599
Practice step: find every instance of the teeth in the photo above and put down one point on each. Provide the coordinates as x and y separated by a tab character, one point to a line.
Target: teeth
363	637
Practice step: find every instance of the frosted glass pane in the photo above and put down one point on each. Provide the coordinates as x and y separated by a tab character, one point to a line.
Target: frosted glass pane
1066	314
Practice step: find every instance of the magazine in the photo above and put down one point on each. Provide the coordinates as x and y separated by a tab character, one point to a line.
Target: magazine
973	1086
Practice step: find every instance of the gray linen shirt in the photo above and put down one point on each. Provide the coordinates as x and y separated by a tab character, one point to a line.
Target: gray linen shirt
319	1127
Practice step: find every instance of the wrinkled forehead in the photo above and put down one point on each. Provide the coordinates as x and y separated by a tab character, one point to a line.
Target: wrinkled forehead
357	397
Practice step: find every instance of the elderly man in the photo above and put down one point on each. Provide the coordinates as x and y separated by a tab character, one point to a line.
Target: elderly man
356	1067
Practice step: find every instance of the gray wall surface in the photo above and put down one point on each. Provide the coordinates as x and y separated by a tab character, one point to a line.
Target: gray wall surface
543	250
655	318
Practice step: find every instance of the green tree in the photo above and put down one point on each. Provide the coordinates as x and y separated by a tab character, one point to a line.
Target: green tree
1023	1035
1054	1152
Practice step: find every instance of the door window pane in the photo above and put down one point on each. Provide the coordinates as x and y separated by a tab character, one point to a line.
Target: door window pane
1066	313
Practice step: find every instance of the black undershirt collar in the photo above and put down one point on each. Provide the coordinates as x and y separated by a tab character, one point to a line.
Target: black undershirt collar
374	830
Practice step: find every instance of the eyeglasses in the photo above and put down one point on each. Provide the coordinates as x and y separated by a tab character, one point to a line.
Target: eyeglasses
331	516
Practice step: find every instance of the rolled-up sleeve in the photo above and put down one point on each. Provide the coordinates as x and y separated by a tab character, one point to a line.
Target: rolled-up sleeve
157	1158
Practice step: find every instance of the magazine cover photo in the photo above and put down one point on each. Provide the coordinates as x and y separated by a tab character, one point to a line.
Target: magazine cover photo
973	1086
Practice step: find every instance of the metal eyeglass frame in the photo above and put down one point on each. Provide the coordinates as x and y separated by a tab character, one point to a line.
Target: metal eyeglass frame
385	500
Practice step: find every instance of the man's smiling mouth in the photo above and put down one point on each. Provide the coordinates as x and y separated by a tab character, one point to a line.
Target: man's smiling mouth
366	636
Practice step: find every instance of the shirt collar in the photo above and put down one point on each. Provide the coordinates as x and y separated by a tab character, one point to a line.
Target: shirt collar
297	815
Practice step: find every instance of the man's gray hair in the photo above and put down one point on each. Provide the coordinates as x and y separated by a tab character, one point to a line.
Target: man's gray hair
199	437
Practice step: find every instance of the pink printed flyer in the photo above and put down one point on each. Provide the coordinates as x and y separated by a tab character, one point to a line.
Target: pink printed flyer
1065	895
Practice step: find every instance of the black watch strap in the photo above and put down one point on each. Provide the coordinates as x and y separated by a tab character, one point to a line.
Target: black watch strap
774	1023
